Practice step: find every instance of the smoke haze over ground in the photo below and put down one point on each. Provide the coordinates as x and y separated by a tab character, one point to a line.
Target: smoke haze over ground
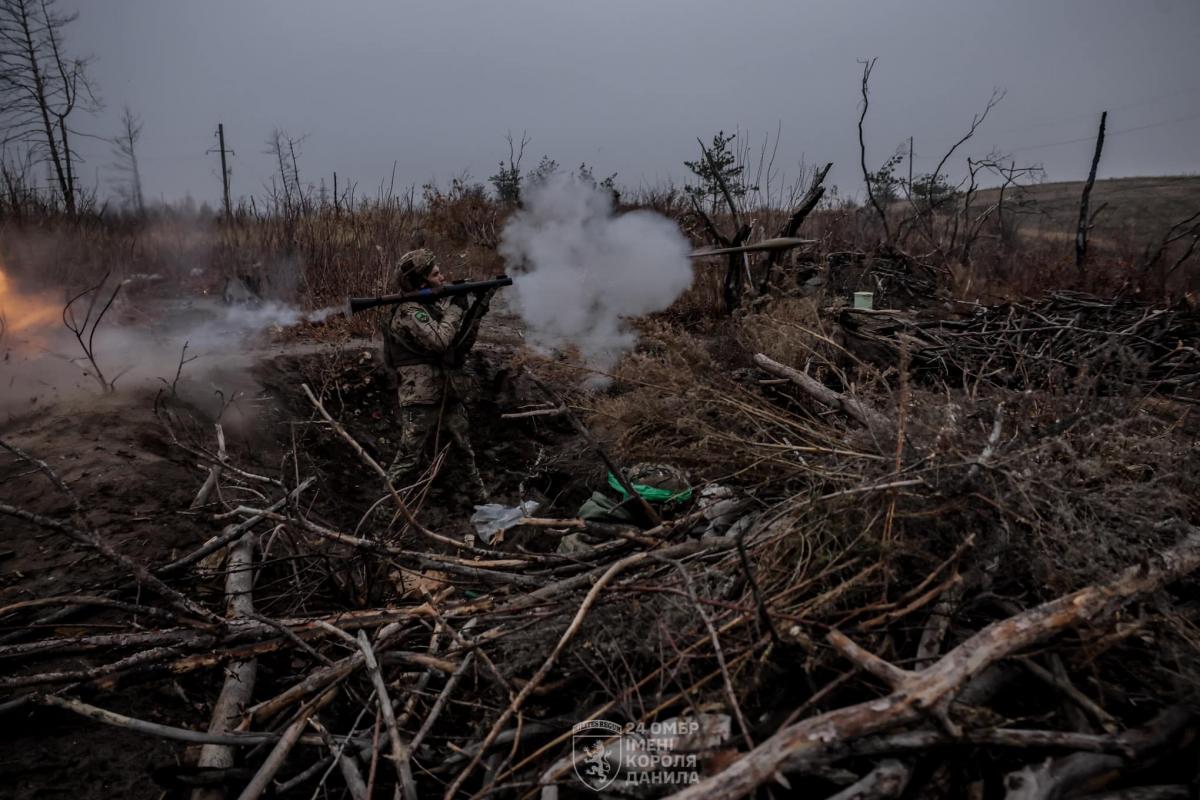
578	269
41	361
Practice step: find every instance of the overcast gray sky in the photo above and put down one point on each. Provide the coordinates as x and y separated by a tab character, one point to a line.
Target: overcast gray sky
628	86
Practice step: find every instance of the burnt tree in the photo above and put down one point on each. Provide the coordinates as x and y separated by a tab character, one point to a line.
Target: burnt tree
41	87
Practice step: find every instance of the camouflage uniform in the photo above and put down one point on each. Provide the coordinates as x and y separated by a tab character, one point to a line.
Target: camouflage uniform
424	346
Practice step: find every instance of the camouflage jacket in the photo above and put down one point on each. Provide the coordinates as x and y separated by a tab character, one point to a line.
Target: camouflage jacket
419	345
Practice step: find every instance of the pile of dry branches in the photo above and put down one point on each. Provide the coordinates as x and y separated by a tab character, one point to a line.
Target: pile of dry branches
1062	341
931	593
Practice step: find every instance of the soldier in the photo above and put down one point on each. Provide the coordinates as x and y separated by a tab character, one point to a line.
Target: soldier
426	345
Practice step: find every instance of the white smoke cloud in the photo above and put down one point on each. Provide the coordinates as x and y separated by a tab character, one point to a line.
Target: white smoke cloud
47	362
585	269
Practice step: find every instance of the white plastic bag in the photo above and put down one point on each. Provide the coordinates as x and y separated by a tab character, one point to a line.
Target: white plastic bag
493	518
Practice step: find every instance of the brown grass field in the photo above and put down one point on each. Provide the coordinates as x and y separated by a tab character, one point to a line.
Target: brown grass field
1136	213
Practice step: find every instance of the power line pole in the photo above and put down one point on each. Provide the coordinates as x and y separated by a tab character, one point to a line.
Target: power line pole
224	167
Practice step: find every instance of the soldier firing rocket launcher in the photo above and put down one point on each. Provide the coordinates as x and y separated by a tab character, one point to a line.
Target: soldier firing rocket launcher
356	304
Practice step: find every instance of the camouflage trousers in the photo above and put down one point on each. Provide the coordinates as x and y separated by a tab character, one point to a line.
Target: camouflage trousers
425	430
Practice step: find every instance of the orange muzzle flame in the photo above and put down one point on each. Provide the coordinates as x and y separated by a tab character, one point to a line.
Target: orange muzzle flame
26	314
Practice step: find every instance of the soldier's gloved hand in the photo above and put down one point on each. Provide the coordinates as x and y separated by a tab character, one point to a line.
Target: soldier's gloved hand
485	298
460	300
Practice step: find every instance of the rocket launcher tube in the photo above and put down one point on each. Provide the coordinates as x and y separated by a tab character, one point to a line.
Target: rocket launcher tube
357	304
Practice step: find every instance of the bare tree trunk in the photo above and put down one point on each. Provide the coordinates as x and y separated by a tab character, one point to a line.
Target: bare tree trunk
69	188
862	151
30	54
69	86
813	196
1081	231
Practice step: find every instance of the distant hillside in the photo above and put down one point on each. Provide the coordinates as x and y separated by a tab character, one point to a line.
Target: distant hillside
1139	209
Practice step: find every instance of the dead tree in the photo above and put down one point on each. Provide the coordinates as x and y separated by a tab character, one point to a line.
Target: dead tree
294	201
125	152
737	269
1081	230
972	226
40	87
816	191
507	180
862	150
928	208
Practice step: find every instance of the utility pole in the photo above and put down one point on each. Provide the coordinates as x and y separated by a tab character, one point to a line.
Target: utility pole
224	167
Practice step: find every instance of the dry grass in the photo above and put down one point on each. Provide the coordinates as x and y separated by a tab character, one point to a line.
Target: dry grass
1137	208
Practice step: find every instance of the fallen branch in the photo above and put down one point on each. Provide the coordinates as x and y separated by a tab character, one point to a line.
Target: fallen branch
400	752
286	742
878	424
931	690
239	738
240	675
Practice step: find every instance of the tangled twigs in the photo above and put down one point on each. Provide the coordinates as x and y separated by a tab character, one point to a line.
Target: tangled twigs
233	532
917	693
845	610
1062	338
400	751
736	707
540	675
258	784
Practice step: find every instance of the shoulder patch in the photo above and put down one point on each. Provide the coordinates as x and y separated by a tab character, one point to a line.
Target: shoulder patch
420	316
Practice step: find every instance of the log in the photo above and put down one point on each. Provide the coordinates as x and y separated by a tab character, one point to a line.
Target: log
240	675
1006	738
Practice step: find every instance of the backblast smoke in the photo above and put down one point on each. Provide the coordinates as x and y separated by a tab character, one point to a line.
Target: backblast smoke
579	269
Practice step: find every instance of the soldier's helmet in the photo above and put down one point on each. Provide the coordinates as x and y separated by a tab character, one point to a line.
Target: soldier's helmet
412	269
657	483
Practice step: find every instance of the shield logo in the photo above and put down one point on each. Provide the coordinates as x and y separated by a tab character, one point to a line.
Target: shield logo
597	747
